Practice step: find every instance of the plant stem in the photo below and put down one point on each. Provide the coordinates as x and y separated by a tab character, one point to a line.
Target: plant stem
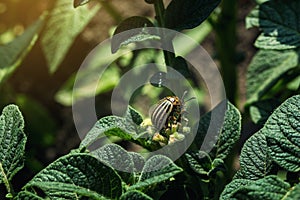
166	43
6	181
159	11
226	47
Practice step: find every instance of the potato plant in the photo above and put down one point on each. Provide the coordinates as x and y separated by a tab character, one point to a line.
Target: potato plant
269	160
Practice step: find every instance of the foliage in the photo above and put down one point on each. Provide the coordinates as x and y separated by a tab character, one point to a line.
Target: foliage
269	161
276	64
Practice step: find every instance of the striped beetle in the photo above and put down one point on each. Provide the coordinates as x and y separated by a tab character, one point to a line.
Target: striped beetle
168	113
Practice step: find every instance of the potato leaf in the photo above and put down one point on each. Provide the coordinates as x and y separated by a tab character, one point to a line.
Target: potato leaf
157	169
64	25
182	14
270	187
279	22
282	131
255	160
135	195
131	25
12	54
266	68
77	175
12	140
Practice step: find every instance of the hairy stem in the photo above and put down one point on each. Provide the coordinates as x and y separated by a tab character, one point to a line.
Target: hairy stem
160	11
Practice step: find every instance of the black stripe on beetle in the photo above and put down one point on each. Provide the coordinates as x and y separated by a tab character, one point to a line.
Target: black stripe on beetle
166	113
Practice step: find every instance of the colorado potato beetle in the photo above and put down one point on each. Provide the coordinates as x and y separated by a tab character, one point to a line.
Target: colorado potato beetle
168	113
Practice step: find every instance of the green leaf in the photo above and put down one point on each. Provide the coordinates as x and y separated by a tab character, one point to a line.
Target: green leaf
121	127
116	157
216	166
76	175
64	25
77	3
126	128
294	193
279	22
181	66
140	36
232	187
12	54
128	24
135	195
261	110
157	169
266	68
230	132
207	126
226	127
282	131
12	143
133	115
182	14
70	191
255	161
270	187
138	160
200	162
294	84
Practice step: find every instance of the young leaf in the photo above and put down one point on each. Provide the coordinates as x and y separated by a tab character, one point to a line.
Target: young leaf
12	54
261	110
278	21
110	125
64	25
133	115
131	24
135	195
282	131
270	187
254	160
76	175
157	169
182	14
232	187
12	140
266	68
124	127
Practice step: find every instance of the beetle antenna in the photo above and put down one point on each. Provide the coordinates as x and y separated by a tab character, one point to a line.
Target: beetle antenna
184	94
